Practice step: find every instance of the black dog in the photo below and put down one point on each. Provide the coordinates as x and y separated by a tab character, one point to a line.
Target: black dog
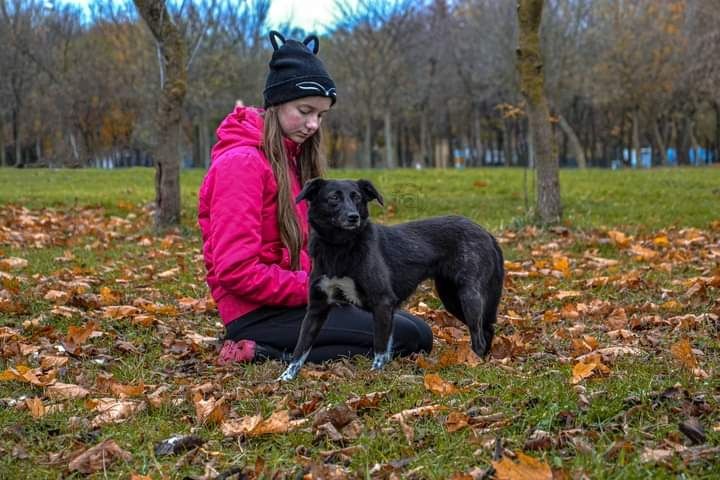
378	267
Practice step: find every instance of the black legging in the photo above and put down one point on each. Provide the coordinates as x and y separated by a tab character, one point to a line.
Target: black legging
347	332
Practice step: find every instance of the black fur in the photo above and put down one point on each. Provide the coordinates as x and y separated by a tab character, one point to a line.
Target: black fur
386	264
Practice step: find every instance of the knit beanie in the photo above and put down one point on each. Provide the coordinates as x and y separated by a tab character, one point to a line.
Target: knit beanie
296	71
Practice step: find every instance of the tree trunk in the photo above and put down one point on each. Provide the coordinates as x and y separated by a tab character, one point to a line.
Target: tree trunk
662	148
636	137
575	144
3	159
506	143
366	159
16	137
173	55
424	157
532	85
389	150
716	107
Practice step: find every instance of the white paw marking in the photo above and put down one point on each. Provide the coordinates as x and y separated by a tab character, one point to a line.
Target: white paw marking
293	369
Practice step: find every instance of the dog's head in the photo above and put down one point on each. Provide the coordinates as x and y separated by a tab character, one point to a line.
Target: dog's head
339	204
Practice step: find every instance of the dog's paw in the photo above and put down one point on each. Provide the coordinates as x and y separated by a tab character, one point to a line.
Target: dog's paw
380	360
289	374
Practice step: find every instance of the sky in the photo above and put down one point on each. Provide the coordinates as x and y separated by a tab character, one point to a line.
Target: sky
310	15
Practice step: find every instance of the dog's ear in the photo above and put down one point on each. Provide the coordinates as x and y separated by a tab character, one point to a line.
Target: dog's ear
370	192
310	190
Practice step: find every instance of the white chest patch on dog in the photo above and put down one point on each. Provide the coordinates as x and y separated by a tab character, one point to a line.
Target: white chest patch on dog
340	290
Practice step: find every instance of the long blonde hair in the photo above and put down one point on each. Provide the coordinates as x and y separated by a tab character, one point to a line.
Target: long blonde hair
310	164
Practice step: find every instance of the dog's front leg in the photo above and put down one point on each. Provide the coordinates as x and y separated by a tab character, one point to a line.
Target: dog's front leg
315	317
383	327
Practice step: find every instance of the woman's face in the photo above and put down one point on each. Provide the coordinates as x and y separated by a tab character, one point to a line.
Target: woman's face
301	118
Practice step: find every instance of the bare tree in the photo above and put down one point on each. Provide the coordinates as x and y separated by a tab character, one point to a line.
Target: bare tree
532	86
172	58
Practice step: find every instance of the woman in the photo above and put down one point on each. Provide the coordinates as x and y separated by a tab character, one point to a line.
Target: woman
255	236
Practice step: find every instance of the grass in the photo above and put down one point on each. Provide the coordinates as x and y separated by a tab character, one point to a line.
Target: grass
495	197
531	386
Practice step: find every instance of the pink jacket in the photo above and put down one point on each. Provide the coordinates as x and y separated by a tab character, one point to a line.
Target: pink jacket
247	264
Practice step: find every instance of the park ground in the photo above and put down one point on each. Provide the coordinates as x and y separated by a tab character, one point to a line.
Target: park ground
605	363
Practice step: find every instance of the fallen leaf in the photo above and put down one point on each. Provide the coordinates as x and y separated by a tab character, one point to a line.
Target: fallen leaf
241	427
211	411
98	458
57	297
434	383
35	406
583	370
66	391
114	411
655	455
619	238
462	354
418	412
13	263
682	351
524	467
456	421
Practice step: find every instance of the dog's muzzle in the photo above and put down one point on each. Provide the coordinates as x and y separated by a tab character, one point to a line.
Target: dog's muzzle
351	221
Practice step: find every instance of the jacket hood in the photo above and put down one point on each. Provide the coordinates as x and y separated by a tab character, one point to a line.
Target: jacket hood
243	127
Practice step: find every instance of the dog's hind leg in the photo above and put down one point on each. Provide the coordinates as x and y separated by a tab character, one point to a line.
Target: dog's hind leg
448	293
382	341
477	311
311	325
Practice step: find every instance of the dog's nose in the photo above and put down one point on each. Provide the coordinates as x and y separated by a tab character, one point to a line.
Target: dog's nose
353	217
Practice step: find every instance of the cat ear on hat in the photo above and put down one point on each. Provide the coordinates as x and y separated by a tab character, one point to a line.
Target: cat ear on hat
276	39
312	43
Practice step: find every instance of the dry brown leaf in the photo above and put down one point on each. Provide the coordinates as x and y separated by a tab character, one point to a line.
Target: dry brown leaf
13	263
57	297
436	384
98	458
618	319
682	351
369	400
252	426
23	373
77	336
108	297
656	455
278	422
462	354
561	263
418	412
661	241
241	427
563	294
125	391
456	421
583	370
643	253
211	411
118	312
619	238
115	411
35	406
51	361
172	273
64	391
524	467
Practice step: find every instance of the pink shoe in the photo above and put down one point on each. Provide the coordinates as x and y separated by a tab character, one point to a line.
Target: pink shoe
240	351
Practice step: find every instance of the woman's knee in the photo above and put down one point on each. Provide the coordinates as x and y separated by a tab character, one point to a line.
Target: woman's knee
412	335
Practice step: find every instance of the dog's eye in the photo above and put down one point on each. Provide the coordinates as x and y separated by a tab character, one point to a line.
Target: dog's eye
333	197
355	196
